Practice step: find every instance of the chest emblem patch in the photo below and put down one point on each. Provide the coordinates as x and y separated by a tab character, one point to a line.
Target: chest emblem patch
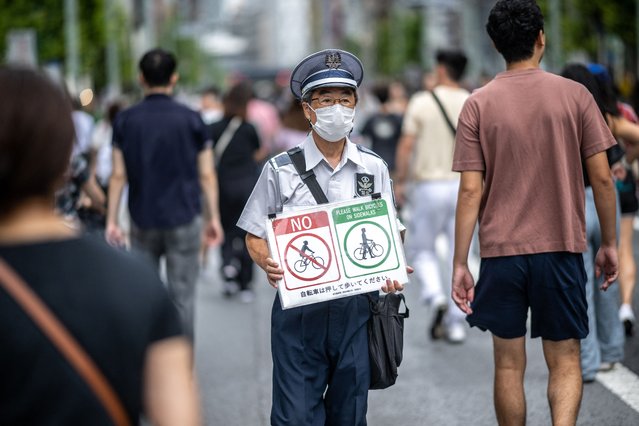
364	184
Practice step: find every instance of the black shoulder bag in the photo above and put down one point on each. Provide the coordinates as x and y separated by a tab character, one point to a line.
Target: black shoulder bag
386	324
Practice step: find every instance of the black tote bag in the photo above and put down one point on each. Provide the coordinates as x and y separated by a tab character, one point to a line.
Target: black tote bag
386	339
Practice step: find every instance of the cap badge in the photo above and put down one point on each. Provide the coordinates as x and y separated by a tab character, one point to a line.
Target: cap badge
333	60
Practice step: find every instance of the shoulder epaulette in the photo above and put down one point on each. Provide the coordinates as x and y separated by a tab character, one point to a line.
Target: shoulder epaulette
371	152
281	160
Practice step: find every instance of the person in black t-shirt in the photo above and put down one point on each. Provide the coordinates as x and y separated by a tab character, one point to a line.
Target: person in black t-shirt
384	128
112	304
162	150
236	144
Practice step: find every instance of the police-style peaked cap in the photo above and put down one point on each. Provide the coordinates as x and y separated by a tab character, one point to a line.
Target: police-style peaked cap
326	68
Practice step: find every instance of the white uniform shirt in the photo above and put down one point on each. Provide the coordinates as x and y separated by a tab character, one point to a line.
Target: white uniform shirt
339	184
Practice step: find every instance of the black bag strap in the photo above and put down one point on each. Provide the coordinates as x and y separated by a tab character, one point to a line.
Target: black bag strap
441	107
64	342
308	176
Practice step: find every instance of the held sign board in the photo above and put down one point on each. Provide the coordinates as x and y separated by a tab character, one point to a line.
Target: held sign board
336	250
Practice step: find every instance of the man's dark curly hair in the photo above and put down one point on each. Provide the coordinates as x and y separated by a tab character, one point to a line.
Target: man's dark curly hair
514	25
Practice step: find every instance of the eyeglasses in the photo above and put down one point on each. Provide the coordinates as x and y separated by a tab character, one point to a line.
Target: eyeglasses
327	101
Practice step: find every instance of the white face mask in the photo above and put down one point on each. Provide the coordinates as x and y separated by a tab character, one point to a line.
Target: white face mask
333	123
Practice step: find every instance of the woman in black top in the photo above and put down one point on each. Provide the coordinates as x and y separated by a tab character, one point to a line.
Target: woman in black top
112	304
237	147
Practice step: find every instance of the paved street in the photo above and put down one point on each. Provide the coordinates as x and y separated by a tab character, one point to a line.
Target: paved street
439	384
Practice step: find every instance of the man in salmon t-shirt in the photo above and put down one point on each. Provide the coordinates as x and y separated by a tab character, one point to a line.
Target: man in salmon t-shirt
520	144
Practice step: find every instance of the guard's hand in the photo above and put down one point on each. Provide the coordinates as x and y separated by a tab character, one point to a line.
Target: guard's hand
607	263
273	272
463	291
393	286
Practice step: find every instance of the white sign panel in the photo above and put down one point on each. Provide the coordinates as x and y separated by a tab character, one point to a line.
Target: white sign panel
336	250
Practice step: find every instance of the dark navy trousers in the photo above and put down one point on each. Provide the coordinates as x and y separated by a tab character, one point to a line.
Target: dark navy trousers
321	370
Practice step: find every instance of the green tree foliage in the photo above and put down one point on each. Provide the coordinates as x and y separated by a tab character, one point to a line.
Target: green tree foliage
46	17
585	22
398	41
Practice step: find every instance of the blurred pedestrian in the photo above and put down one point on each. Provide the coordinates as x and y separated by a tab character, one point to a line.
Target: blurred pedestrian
264	116
236	146
604	345
627	187
93	215
294	129
162	150
112	304
321	371
425	181
383	128
80	189
211	107
520	159
397	98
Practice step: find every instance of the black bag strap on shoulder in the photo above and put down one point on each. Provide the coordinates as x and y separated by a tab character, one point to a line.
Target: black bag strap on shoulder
308	176
446	117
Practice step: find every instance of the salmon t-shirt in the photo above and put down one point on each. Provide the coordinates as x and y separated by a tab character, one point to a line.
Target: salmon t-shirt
529	132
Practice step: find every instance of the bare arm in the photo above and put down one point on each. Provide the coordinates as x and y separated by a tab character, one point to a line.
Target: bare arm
208	182
467	212
170	389
606	204
91	187
117	181
629	133
402	163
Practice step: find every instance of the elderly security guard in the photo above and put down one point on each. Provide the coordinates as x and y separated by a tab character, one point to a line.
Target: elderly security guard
321	370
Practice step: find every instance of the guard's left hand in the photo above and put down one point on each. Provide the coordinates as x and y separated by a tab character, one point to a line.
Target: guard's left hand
393	286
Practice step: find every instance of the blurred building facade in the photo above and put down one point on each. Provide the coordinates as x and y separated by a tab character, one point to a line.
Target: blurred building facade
275	34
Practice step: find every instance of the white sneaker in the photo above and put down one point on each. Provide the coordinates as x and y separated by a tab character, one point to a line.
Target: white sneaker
230	288
247	296
456	333
625	313
627	318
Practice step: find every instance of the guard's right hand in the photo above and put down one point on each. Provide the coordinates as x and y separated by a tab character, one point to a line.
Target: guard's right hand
273	272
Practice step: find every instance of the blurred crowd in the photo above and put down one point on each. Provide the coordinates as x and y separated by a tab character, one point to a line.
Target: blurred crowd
270	121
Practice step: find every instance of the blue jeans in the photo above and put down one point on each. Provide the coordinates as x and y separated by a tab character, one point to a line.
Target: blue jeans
605	341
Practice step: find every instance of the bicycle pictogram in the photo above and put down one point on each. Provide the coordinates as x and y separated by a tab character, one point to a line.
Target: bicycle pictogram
374	250
368	246
301	265
305	259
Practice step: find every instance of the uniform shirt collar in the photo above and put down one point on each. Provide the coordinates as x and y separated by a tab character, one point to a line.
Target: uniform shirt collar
313	156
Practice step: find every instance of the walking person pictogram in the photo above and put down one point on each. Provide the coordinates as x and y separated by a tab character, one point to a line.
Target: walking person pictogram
365	245
368	246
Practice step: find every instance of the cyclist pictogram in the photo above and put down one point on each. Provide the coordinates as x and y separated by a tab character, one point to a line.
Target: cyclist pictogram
307	257
305	260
